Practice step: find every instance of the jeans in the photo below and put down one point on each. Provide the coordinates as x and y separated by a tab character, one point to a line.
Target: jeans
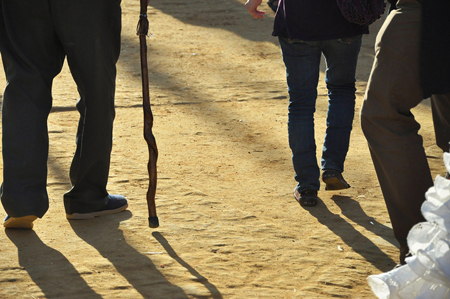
302	61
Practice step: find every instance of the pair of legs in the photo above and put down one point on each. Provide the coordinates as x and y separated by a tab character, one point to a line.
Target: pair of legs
35	38
302	61
389	126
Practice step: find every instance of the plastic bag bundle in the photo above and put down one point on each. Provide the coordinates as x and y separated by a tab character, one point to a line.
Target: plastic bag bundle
426	274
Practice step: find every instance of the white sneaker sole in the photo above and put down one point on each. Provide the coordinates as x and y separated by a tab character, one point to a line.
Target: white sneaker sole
83	216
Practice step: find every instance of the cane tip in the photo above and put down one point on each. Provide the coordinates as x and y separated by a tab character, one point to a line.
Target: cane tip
153	222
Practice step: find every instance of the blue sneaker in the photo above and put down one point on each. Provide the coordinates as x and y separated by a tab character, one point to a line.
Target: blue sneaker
24	222
116	204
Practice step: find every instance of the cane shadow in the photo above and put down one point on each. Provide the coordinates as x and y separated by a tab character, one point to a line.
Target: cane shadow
48	268
352	210
105	236
352	238
165	244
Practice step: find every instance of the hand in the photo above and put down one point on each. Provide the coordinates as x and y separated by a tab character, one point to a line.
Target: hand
252	7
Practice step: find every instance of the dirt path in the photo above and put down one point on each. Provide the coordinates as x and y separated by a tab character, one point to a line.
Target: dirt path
230	227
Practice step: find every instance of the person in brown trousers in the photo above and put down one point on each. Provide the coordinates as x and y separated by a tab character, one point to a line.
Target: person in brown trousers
412	63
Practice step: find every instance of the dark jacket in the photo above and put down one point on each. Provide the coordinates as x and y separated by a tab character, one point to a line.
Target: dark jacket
313	20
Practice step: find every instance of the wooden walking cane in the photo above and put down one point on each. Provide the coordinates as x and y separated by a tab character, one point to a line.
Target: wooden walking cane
142	31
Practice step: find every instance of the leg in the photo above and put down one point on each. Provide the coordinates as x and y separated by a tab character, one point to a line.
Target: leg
92	47
341	58
32	57
302	60
440	106
388	124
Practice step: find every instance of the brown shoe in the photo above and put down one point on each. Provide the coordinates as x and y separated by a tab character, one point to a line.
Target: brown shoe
307	198
334	180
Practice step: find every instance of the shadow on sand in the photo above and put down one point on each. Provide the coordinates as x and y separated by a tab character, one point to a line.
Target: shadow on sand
165	244
105	236
48	268
350	236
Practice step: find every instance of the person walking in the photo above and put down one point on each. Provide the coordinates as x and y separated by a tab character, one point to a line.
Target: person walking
411	64
306	30
35	39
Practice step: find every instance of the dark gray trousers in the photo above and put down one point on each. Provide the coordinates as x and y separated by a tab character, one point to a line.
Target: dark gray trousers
389	126
35	38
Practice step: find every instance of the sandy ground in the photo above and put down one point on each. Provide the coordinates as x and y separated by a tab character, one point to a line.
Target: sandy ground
230	227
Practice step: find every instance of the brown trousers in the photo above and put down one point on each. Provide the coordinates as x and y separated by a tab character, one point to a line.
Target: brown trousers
389	126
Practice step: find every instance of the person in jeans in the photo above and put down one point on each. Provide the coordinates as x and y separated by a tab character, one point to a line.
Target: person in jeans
412	62
307	30
35	39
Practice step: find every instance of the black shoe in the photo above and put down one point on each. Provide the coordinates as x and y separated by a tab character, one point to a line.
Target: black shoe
25	222
447	175
307	198
334	180
116	204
